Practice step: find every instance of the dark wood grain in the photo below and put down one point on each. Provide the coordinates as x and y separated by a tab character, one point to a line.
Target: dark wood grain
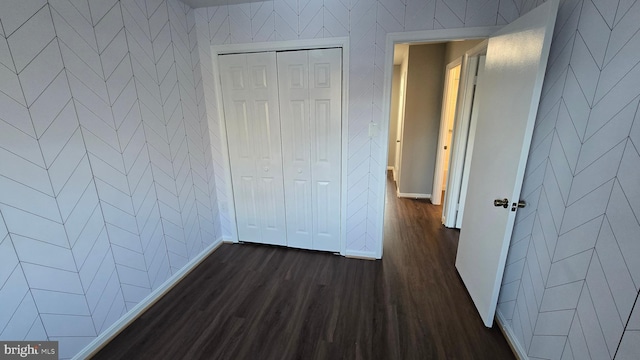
262	302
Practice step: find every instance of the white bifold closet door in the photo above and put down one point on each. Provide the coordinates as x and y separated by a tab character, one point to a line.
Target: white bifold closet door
250	97
283	115
310	84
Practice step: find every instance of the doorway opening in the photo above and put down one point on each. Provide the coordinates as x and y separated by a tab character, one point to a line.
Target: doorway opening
432	95
505	108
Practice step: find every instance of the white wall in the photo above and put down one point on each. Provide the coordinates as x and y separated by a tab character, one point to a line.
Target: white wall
66	272
422	111
106	177
393	118
366	23
572	273
571	283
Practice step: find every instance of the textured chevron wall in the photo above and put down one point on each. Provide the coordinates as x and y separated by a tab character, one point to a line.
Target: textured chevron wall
366	22
106	184
571	283
107	181
573	267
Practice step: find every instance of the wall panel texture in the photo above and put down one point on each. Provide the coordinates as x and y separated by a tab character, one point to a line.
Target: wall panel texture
112	174
366	23
573	269
106	183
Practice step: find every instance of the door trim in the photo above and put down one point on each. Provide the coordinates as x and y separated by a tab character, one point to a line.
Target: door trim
391	40
306	44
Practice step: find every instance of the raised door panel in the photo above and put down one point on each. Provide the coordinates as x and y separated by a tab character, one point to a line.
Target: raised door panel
325	103
293	80
267	148
250	100
238	113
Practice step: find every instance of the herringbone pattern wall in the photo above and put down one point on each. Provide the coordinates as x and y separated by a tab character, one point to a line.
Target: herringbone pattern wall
573	269
106	177
111	171
366	23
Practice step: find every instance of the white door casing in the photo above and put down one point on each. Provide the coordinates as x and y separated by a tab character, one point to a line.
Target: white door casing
508	101
250	99
310	84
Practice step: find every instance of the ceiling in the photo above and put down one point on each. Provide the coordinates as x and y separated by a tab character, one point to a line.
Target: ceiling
204	3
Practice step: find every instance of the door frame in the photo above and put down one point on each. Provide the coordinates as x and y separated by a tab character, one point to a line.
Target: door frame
464	134
391	40
306	44
438	173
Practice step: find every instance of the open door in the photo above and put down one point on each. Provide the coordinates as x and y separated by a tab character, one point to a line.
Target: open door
509	95
400	129
471	72
468	152
443	154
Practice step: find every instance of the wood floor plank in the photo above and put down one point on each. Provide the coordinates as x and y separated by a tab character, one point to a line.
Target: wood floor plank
262	302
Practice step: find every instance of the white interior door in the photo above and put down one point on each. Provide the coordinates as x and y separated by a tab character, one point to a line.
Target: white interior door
469	71
449	99
473	123
293	84
310	84
451	115
509	95
325	99
400	127
250	97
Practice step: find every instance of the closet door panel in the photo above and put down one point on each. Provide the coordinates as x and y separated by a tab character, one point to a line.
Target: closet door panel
249	83
266	131
325	101
237	103
293	80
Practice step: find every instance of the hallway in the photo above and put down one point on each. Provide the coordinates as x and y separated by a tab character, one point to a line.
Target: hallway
263	302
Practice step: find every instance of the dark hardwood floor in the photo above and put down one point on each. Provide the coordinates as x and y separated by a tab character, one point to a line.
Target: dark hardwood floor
262	302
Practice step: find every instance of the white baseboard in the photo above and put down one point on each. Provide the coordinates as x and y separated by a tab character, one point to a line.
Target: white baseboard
115	329
516	347
356	254
414	195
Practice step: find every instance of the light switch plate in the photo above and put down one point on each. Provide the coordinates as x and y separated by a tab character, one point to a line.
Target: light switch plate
373	129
